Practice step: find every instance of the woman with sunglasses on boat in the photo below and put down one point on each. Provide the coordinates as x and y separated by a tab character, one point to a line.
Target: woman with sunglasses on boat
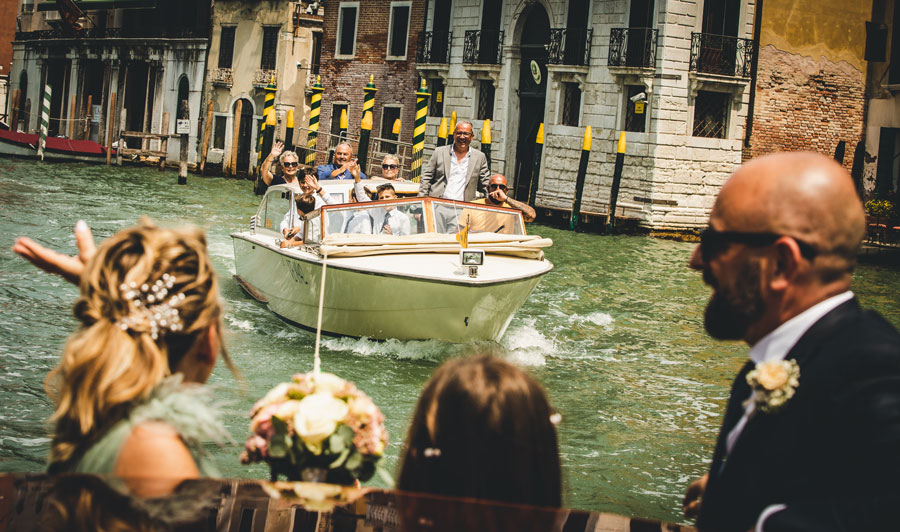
290	165
128	389
390	168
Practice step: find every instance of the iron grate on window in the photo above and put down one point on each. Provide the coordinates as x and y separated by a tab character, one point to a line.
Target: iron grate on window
485	99
710	114
571	104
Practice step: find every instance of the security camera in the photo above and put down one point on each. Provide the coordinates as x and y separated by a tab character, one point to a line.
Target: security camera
639	97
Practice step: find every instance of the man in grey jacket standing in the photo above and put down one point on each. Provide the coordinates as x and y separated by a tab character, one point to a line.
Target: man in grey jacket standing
456	171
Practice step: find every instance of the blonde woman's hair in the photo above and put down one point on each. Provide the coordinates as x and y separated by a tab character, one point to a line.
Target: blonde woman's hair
106	368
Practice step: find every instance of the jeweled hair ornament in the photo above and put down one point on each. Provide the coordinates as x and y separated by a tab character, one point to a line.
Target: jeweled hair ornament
150	310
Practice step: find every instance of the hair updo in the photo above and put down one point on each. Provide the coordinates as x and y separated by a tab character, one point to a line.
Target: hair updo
113	359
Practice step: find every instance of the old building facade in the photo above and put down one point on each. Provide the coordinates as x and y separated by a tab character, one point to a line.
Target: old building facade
377	40
882	133
253	44
150	58
674	75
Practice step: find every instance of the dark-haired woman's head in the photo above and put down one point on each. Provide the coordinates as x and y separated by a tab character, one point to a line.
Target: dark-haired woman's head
482	428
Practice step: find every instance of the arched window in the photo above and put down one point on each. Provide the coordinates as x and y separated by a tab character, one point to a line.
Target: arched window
182	96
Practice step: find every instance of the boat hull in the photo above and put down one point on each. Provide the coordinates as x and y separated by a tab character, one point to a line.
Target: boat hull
16	144
365	301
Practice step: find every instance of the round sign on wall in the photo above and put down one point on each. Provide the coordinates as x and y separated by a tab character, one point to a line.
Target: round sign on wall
536	72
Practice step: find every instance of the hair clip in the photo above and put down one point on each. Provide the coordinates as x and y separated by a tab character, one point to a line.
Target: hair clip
556	418
149	308
431	452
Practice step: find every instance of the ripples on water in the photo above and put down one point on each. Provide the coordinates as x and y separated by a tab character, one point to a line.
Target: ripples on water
614	333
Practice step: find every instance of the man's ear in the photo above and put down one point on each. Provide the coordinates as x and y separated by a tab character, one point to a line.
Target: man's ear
787	261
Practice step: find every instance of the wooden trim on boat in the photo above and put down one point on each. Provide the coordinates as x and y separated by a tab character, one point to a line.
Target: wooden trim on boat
254	293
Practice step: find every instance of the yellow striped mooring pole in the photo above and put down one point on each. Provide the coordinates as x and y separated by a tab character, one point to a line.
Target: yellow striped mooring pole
289	131
486	141
362	152
268	105
419	133
579	180
315	106
442	132
451	127
617	179
536	164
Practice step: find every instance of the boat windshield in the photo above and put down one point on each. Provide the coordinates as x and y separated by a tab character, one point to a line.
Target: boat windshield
451	217
397	218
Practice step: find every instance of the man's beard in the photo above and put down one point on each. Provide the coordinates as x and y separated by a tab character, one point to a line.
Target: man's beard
730	313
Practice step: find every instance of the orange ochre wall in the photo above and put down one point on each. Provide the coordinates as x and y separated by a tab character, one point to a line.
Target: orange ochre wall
811	75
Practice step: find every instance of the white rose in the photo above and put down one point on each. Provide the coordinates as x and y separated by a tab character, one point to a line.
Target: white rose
317	419
329	383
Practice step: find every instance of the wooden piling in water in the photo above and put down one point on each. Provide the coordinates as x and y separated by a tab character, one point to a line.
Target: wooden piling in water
164	142
87	118
110	118
207	127
122	116
232	165
182	163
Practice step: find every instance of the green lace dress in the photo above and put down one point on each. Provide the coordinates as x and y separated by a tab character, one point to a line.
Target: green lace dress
186	408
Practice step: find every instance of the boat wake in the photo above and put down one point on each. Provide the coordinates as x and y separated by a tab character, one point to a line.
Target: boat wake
407	350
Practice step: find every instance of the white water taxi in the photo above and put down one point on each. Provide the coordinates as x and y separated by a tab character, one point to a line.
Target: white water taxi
415	284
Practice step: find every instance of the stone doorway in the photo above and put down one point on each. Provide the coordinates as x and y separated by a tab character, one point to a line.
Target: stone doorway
532	95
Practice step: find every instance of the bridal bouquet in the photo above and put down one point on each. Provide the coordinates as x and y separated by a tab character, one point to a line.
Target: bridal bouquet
317	428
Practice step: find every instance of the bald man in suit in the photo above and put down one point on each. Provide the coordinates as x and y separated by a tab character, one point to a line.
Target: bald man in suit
810	438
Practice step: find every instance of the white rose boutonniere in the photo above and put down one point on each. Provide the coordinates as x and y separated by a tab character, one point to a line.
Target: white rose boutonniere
774	383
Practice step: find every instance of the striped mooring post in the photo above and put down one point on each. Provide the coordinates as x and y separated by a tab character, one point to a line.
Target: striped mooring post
486	141
617	180
442	133
45	120
418	151
365	130
368	107
579	179
315	106
451	127
536	164
289	131
268	106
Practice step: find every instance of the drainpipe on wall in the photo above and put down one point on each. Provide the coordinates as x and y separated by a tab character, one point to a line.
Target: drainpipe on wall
757	19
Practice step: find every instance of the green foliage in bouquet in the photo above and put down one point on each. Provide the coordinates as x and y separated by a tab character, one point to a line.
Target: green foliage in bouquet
317	422
881	207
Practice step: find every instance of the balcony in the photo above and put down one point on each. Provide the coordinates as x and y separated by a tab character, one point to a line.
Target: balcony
434	47
632	47
721	55
569	46
114	33
263	76
483	47
221	77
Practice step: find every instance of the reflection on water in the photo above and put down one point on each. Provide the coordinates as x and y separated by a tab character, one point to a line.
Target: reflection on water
614	332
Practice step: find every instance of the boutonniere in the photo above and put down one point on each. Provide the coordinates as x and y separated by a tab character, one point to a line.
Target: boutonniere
774	383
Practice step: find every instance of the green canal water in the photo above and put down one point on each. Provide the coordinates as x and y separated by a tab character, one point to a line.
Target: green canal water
614	333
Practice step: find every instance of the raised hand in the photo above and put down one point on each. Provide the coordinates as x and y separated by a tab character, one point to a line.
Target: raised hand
311	181
68	267
277	148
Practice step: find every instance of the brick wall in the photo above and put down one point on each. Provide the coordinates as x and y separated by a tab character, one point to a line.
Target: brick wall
396	80
806	104
8	10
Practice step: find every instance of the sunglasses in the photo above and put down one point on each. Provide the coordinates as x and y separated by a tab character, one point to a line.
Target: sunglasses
713	243
290	164
390	166
495	186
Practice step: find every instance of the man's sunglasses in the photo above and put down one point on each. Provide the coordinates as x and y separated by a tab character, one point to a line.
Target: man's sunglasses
495	186
390	166
290	164
713	243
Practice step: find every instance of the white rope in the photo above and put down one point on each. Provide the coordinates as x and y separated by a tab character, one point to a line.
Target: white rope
317	361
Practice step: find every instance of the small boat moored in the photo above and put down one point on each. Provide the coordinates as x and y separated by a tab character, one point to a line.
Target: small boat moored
418	284
17	144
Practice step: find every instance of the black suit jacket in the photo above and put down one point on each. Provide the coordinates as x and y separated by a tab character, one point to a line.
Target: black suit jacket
832	454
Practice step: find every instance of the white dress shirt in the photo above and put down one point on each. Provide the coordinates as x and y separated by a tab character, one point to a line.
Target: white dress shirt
775	346
456	181
292	218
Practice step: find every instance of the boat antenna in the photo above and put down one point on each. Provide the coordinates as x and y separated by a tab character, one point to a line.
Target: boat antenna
317	361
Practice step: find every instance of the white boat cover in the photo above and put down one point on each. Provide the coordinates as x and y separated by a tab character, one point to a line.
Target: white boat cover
355	245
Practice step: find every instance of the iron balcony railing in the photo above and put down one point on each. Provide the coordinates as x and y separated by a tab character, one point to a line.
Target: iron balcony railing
721	54
113	33
632	47
223	77
570	46
434	47
483	47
